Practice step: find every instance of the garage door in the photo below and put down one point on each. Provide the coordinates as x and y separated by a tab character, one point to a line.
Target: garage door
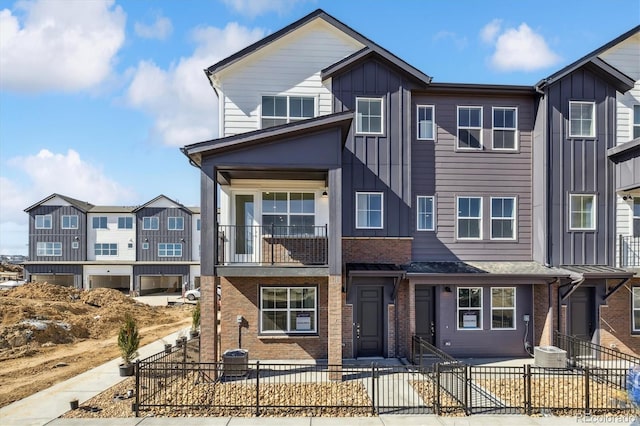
116	282
150	284
64	280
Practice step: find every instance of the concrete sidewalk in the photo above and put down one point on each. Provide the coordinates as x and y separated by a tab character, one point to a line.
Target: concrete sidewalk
40	408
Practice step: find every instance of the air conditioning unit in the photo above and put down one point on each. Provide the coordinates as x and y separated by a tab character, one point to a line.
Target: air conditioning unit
549	357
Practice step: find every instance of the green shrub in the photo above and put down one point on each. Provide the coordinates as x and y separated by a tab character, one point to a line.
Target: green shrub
128	339
195	317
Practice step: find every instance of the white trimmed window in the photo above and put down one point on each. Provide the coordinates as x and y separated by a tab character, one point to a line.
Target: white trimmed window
469	306
75	245
582	212
635	308
636	217
69	221
125	222
369	210
505	129
289	213
49	249
636	122
469	218
503	218
43	221
105	249
277	110
582	120
426	217
469	127
503	308
150	223
288	310
369	116
426	122
145	246
99	222
169	250
176	224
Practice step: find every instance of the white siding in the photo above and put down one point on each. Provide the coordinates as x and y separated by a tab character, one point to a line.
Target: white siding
121	237
55	201
106	270
290	65
195	238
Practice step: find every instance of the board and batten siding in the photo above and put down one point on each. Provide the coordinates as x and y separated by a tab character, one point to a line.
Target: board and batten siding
163	234
290	66
58	235
442	171
377	163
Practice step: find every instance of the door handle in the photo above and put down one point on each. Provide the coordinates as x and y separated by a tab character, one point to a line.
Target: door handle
357	330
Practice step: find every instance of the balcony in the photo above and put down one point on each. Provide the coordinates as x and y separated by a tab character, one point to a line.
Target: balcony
272	245
629	247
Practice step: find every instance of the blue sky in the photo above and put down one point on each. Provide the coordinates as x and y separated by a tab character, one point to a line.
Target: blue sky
96	97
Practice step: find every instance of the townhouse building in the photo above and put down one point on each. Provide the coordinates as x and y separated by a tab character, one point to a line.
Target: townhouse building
154	247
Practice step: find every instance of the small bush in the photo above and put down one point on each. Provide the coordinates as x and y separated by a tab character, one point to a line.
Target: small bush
128	339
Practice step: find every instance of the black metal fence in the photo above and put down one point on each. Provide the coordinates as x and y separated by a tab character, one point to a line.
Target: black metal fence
629	254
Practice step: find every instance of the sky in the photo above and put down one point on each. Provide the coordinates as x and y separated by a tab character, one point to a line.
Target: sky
97	96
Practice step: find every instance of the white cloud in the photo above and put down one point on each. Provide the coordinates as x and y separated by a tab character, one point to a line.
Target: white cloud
522	49
254	8
59	45
490	31
179	98
160	29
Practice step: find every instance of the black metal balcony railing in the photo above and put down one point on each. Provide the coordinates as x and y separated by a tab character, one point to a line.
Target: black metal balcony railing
272	245
629	247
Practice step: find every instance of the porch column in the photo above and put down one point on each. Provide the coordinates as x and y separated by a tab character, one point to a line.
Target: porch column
209	319
334	317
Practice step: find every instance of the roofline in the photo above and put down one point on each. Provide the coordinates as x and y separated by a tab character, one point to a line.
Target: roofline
76	203
157	198
479	88
618	151
487	275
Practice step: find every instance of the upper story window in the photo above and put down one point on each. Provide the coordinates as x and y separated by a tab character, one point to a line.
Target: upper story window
469	127
43	221
288	309
503	218
69	222
105	249
636	121
582	212
277	110
469	306
290	213
469	218
426	122
504	128
369	116
425	214
49	249
582	120
99	222
170	250
636	217
125	222
150	223
369	210
197	224
176	224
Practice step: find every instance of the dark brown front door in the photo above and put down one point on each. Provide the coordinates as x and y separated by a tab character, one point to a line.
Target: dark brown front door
425	318
369	327
582	319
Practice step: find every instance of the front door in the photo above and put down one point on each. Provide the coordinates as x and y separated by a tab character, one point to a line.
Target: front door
582	316
369	327
244	229
425	318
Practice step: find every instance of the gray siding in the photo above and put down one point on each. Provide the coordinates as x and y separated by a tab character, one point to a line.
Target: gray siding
378	163
581	166
163	234
57	234
439	170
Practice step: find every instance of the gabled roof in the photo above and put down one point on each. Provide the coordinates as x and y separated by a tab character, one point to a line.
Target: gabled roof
81	205
370	46
160	197
593	61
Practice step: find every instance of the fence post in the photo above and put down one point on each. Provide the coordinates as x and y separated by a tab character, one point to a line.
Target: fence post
527	389
374	379
273	233
436	403
137	403
257	388
587	396
421	346
467	389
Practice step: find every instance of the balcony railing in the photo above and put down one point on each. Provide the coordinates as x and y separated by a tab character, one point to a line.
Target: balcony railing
629	247
272	245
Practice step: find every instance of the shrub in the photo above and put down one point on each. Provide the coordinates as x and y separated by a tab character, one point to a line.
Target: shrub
128	339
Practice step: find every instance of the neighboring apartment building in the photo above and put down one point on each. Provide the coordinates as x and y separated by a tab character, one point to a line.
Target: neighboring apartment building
139	250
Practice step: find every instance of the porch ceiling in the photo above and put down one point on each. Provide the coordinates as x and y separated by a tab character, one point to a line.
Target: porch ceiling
224	176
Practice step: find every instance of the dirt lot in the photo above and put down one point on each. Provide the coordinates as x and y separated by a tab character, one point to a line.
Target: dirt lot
49	333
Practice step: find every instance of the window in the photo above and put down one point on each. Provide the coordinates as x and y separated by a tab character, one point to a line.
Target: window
125	222
145	246
636	309
99	222
197	224
426	122
288	309
582	119
70	222
504	128
636	217
469	127
170	250
150	223
43	221
636	121
469	308
369	115
176	224
129	245
469	218
503	308
369	210
503	218
105	249
582	214
49	249
75	245
289	213
425	214
277	110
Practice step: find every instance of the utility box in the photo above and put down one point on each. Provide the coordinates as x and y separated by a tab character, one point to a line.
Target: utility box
235	362
549	357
